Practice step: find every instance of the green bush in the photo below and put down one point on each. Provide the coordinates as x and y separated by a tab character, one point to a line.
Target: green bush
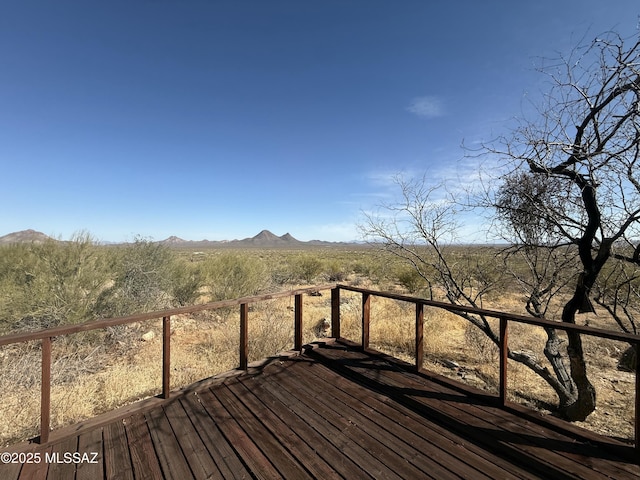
49	284
186	282
231	275
142	280
409	278
307	267
335	271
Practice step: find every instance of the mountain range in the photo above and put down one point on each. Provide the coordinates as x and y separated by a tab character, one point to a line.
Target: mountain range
264	239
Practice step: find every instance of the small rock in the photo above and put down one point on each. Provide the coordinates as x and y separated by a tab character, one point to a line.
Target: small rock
147	337
450	364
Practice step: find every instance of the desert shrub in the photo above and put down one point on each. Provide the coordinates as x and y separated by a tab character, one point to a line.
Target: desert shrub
53	283
409	278
141	282
307	267
186	282
335	270
231	275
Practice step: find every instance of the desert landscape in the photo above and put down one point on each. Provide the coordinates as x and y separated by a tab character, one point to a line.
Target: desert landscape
48	283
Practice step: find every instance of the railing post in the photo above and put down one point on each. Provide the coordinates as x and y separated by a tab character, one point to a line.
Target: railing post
244	336
637	407
297	342
335	312
45	391
366	313
419	336
166	356
504	355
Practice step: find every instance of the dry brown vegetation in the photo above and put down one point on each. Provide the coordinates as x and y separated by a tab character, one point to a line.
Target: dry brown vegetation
97	372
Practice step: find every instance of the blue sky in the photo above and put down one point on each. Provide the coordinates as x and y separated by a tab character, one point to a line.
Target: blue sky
217	119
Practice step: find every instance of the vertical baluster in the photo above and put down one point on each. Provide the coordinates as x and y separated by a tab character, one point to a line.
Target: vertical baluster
335	312
419	336
166	356
637	407
297	343
244	336
504	349
366	313
45	391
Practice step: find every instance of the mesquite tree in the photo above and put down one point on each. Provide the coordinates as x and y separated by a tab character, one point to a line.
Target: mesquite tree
586	142
570	200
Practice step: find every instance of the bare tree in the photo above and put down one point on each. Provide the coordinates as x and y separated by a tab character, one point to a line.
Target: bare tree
586	142
421	229
570	201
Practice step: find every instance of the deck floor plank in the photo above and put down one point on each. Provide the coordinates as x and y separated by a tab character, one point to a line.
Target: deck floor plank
172	461
380	439
90	450
407	427
227	461
60	469
369	454
445	407
10	470
143	456
441	406
36	471
117	458
456	453
543	450
340	440
332	412
194	450
286	433
302	421
257	463
270	445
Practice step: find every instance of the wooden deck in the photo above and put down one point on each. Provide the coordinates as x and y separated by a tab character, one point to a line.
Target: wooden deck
332	412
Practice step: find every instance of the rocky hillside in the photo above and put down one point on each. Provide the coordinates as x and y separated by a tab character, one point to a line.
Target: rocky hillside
24	236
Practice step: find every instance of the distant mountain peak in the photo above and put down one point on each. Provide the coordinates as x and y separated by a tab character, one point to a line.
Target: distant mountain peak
173	240
265	235
287	237
24	236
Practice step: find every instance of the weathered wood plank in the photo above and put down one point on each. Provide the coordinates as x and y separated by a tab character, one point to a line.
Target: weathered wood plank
36	471
59	469
259	465
282	459
512	439
10	471
300	420
396	454
172	461
222	453
91	456
143	456
117	459
455	453
198	458
285	432
397	429
345	436
441	407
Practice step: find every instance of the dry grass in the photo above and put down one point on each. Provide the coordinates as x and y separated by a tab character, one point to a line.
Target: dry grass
90	377
95	374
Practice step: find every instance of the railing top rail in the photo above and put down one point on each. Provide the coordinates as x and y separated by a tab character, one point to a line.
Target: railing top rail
541	322
110	322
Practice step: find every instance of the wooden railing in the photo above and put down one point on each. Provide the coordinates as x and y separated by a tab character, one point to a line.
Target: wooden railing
504	319
45	336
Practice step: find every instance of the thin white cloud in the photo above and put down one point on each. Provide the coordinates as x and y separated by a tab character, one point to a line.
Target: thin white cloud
427	107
